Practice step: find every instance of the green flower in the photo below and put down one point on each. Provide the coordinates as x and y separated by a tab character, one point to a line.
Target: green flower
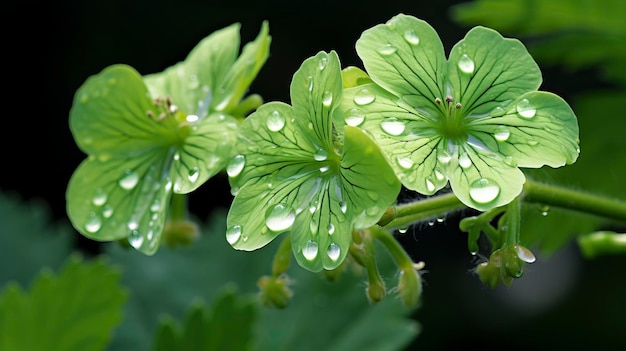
147	137
295	172
471	119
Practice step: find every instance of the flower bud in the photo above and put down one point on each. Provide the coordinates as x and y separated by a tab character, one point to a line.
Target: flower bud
180	233
410	287
274	292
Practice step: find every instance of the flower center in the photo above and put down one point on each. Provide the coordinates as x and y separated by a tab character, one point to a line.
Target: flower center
453	123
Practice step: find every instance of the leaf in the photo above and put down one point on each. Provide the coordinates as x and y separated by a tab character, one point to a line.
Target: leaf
76	310
290	176
226	325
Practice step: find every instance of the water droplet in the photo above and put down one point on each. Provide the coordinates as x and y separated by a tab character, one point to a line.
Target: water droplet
331	229
133	224
466	64
156	205
510	161
404	162
324	169
533	142
275	121
193	174
93	223
411	37
429	185
525	109
387	50
334	251
309	82
502	133
129	180
497	111
309	251
107	211
343	206
355	117
524	254
403	230
327	98
191	118
320	155
440	176
484	190
135	239
441	219
322	63
465	161
543	209
364	97
235	166
280	217
444	157
313	225
233	234
100	198
392	126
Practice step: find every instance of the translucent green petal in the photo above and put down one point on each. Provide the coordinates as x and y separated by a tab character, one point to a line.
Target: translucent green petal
408	139
315	91
536	129
205	152
109	115
122	197
406	57
193	83
487	71
483	180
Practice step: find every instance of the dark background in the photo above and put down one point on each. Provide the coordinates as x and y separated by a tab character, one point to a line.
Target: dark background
49	49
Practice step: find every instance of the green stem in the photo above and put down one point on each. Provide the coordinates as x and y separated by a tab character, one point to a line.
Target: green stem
396	250
513	221
178	207
410	213
557	196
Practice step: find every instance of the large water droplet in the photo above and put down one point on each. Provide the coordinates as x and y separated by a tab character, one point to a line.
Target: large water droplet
322	63
484	190
331	229
132	224
525	109
233	234
443	157
309	251
387	50
334	251
392	126
135	239
411	37
430	186
193	174
404	162
93	223
524	254
235	166
327	98
502	133
466	64
465	161
191	118
280	217
275	121
100	198
364	97
107	211
355	117
320	155
343	206
129	180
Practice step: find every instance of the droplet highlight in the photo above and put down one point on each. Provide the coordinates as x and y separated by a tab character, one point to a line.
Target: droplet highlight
525	109
309	251
280	218
411	37
354	117
233	234
327	98
275	121
392	126
502	133
364	97
334	251
466	64
404	162
484	190
129	180
387	50
235	166
465	161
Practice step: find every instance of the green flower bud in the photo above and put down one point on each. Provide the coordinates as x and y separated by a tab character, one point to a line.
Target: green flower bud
274	292
410	287
180	233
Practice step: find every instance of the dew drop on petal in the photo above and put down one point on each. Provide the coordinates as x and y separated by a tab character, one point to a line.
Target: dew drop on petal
280	217
509	161
331	229
233	234
429	185
404	162
392	126
93	223
235	166
533	142
411	37
275	121
524	254
135	239
364	97
465	161
525	109
343	206
327	98
100	198
502	133
497	111
107	211
334	251
387	50
320	155
443	157
355	117
309	251
484	190
322	63
309	82
193	174
466	64
129	180
191	118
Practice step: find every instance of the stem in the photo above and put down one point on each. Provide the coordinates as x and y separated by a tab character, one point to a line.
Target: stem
557	196
395	248
178	207
513	214
410	213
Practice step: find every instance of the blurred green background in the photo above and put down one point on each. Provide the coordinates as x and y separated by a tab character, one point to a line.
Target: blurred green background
563	300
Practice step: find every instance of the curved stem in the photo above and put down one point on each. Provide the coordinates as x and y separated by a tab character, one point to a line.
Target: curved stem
557	196
407	214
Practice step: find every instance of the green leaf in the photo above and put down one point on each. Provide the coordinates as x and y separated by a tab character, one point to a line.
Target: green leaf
76	310
212	78
123	189
227	325
289	175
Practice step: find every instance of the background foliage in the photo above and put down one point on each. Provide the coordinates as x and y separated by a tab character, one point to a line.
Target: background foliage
579	46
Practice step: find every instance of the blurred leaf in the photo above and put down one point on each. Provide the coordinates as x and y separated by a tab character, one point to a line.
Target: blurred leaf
226	325
166	282
75	310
